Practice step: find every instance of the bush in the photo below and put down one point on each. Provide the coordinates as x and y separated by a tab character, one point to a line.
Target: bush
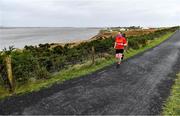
42	73
24	66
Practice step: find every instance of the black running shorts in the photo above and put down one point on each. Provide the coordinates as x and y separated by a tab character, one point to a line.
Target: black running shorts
119	51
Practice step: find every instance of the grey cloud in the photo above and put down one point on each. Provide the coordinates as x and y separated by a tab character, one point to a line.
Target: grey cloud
89	12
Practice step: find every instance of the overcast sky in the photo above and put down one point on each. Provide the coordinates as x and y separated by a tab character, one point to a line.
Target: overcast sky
89	13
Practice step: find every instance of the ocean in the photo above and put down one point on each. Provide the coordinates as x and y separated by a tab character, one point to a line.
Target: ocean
19	37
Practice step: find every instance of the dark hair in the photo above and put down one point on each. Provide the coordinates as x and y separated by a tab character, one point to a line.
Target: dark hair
124	35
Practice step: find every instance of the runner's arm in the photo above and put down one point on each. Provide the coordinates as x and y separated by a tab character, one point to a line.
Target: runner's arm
114	45
125	42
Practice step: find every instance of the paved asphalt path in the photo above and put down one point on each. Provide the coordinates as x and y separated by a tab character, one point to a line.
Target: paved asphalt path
139	86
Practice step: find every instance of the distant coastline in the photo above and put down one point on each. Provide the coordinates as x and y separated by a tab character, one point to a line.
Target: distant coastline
21	36
53	27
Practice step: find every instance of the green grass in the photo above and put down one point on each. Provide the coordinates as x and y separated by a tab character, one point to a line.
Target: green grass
77	71
172	105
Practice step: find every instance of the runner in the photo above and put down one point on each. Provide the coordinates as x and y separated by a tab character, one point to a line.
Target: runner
120	42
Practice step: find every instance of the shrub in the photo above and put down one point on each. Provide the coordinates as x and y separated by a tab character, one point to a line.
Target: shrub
24	66
42	73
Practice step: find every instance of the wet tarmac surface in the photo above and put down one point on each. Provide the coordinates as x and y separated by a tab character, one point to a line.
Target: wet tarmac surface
139	86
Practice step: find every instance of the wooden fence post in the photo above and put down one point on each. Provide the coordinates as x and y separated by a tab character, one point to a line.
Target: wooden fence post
9	73
93	55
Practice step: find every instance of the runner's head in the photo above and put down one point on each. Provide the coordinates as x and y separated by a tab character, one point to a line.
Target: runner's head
119	34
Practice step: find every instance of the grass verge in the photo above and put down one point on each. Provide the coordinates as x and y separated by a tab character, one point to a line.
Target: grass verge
78	70
172	105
